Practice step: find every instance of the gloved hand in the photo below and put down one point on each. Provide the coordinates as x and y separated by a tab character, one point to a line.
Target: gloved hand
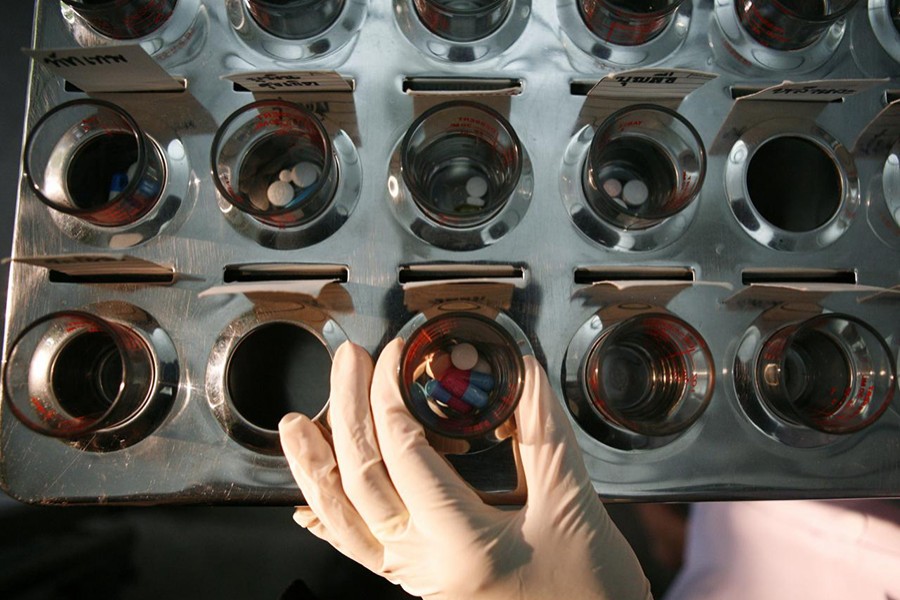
385	498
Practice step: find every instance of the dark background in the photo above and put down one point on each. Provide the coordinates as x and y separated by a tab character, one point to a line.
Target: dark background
177	552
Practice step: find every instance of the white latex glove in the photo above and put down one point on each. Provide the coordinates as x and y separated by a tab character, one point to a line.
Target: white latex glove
385	498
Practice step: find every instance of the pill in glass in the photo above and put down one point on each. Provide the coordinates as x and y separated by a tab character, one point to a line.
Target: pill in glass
284	175
612	187
118	183
464	356
482	366
304	174
635	192
483	381
280	193
476	186
474	201
435	390
461	387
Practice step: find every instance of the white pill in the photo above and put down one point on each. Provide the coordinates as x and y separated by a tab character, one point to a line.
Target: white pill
482	366
476	186
474	201
131	171
635	192
897	216
284	175
280	193
304	174
464	356
613	187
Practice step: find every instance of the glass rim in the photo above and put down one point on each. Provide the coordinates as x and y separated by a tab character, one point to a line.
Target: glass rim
441	6
662	12
823	20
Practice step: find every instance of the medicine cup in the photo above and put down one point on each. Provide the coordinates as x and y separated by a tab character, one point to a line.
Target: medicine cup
650	374
90	159
627	22
273	160
461	375
461	162
295	19
124	19
462	20
73	373
645	164
789	24
832	373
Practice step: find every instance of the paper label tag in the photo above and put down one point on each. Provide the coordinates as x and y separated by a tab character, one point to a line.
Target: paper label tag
880	135
422	296
814	91
83	265
311	287
108	69
292	81
651	84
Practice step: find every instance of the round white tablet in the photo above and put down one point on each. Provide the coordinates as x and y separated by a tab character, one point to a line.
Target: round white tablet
280	193
464	356
635	192
285	175
304	174
474	201
613	187
476	186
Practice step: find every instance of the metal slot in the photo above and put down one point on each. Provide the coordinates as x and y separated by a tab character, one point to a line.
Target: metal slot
592	275
74	89
285	272
441	272
462	85
776	276
581	87
891	96
112	278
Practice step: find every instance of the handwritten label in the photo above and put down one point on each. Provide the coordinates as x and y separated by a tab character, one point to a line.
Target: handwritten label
880	135
292	81
651	83
110	69
815	91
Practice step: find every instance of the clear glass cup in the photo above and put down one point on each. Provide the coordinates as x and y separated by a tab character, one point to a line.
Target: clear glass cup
645	164
254	148
461	162
651	374
789	24
295	19
627	22
832	373
124	19
462	20
458	417
90	159
73	373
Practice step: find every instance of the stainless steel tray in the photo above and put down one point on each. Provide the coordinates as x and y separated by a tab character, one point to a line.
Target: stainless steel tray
192	456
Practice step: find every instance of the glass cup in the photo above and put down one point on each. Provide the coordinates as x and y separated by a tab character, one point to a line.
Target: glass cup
832	373
627	22
274	161
789	24
73	373
295	19
462	20
651	374
461	162
90	159
462	400
645	164
124	19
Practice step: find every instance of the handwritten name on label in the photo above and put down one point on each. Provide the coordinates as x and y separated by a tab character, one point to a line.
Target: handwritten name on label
815	91
880	135
297	81
651	83
120	69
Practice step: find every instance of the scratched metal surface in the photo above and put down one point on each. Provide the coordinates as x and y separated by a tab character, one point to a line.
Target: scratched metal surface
190	458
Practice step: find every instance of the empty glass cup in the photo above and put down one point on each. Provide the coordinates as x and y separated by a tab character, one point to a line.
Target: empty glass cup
469	398
627	22
461	162
789	24
124	19
73	373
295	19
832	373
651	374
90	159
646	163
462	20
274	161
